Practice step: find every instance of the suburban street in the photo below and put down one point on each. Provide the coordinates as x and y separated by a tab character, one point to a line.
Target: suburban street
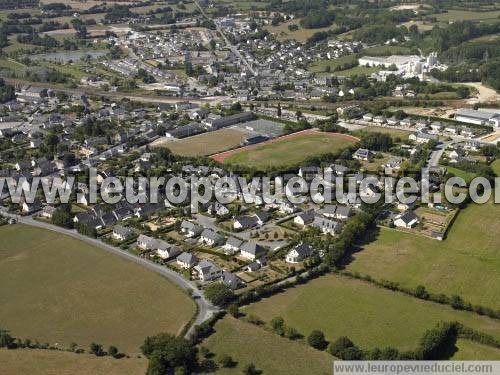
205	309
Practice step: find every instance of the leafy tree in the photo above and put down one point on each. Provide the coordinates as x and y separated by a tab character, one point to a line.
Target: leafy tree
278	325
218	294
338	346
250	369
96	349
317	340
168	351
113	351
62	216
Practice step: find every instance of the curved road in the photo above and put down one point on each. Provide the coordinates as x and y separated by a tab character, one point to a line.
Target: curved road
205	309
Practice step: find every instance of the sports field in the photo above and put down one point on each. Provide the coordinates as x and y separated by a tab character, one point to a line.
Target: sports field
288	150
466	263
49	362
246	344
368	315
207	143
56	289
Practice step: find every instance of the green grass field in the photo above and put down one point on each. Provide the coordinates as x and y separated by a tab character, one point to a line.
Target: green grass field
301	35
56	289
320	65
368	315
464	15
48	362
272	354
467	176
496	167
207	143
289	151
467	350
466	263
403	134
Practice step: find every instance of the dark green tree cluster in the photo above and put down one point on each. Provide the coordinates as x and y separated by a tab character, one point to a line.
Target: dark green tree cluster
167	352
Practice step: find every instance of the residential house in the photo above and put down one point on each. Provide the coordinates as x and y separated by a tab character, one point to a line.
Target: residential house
406	220
165	250
363	154
47	212
122	233
190	229
244	222
207	271
251	250
231	280
299	253
211	238
423	137
327	226
232	245
304	218
187	260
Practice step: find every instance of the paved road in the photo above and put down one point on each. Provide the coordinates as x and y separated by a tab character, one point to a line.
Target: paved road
208	222
206	310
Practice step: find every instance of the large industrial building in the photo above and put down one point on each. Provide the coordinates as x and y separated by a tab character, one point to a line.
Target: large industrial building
471	116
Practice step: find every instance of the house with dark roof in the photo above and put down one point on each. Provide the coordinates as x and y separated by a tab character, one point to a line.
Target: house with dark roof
406	220
211	238
232	281
122	233
362	154
252	250
299	253
327	226
190	229
232	245
187	260
207	271
245	222
304	218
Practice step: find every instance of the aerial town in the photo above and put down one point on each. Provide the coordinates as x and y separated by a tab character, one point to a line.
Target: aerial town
327	92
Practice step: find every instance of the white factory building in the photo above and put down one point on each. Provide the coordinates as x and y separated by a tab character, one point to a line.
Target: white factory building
406	65
471	116
400	61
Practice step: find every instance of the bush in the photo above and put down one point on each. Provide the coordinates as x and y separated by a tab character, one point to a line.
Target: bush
226	361
317	340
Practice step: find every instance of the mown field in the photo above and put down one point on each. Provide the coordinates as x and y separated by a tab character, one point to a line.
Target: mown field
301	35
48	362
393	132
467	350
466	263
289	150
368	315
270	353
207	143
57	289
464	15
